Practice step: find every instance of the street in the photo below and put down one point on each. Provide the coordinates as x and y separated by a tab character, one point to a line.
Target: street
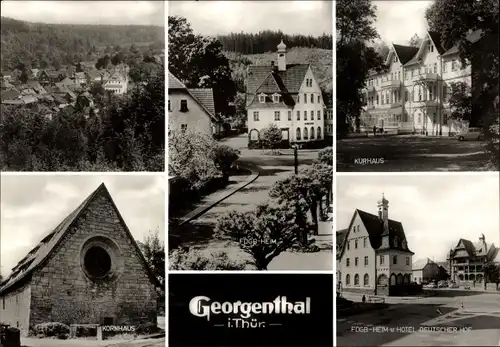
410	153
415	321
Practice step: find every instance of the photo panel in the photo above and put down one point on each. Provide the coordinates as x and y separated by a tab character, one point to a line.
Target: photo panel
261	310
250	136
83	86
418	96
82	257
413	268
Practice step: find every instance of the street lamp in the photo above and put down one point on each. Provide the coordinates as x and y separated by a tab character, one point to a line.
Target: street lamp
295	159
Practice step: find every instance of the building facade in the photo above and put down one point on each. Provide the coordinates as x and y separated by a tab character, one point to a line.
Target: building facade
425	270
467	259
412	94
287	95
191	110
329	123
88	270
374	257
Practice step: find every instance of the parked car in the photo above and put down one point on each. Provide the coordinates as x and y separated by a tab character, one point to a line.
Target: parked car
470	134
452	285
442	284
431	285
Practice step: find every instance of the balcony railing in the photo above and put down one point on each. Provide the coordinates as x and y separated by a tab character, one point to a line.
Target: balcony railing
428	76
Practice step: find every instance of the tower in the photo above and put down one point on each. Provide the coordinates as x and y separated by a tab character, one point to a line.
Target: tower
281	56
383	211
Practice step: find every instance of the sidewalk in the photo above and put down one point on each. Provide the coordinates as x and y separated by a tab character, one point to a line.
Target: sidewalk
215	198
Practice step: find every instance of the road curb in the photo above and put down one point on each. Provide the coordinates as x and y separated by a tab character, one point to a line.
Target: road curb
253	176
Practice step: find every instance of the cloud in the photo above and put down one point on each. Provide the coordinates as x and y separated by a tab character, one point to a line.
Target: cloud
47	200
222	17
87	12
436	210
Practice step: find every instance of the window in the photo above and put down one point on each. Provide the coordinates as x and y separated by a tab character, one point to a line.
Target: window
298	115
382	260
256	116
298	98
355	244
399	75
445	119
348	245
431	93
435	67
305	115
319	99
183	128
318	133
276	115
365	242
184	105
453	65
306	134
312	133
356	261
431	47
262	98
394	259
289	115
276	98
419	120
297	134
445	66
17	299
366	260
419	93
312	98
356	280
406	95
347	279
412	72
407	261
383	98
377	99
348	262
319	114
169	108
305	98
366	280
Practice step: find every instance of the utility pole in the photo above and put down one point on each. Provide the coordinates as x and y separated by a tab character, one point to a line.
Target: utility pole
295	159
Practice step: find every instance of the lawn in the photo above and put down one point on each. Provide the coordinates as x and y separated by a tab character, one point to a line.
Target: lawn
411	153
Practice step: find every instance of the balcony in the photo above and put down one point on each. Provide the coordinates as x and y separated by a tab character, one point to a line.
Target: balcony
428	77
395	84
425	103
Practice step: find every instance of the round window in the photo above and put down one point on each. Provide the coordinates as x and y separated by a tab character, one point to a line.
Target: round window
97	262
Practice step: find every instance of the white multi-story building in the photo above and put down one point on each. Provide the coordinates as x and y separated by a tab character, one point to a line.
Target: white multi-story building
412	94
373	256
287	95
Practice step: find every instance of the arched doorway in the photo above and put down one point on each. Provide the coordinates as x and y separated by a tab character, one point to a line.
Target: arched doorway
399	279
382	280
393	280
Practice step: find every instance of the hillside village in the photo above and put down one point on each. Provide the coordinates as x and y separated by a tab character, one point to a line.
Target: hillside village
77	86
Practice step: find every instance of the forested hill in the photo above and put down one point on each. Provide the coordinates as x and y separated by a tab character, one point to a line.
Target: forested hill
267	40
51	45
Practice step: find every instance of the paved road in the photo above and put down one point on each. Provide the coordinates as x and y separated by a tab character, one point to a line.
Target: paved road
414	323
411	153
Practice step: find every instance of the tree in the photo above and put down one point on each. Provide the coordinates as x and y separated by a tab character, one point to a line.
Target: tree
271	137
355	29
103	63
264	233
199	62
461	101
224	157
415	41
454	20
153	249
491	274
382	49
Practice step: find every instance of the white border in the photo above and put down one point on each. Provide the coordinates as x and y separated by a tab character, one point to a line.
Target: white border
334	202
167	274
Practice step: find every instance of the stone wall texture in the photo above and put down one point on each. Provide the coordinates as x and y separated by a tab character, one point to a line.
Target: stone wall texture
15	308
62	292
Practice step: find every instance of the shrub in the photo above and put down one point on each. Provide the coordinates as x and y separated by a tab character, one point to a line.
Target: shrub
51	329
223	157
325	156
180	259
147	329
86	331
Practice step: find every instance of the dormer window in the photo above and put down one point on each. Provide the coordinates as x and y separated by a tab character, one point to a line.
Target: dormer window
431	47
262	98
395	58
276	98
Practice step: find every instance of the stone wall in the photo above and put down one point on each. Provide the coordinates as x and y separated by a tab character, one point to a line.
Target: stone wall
62	291
15	308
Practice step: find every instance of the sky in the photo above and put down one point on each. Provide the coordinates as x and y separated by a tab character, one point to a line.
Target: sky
87	12
398	21
33	205
436	211
213	18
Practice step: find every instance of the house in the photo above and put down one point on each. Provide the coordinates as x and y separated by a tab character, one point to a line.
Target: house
425	270
375	257
88	270
93	76
191	109
467	259
339	238
287	95
9	95
36	86
412	94
116	82
329	123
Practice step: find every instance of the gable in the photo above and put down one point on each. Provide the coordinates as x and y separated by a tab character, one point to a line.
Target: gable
52	241
269	86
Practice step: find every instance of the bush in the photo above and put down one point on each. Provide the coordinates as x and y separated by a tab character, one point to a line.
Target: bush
325	156
223	157
86	331
147	329
51	329
181	259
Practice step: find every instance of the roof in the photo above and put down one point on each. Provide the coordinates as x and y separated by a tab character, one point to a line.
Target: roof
174	83
436	40
421	264
41	252
340	239
10	94
405	53
289	80
205	97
